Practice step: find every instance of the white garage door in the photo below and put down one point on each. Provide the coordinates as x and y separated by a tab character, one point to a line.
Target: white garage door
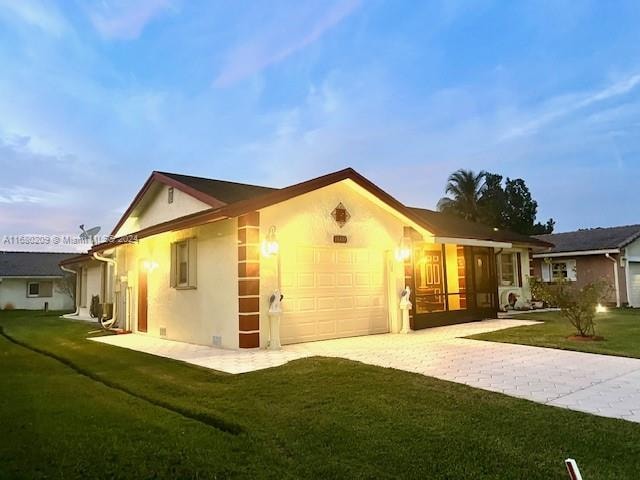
332	293
634	284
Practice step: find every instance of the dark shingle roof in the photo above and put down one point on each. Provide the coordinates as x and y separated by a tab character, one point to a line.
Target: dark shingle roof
592	239
450	226
31	264
227	192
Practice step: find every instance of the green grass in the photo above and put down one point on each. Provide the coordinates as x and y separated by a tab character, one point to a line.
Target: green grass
80	409
619	327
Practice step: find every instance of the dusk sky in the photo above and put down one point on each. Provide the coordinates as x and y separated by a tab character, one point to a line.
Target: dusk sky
94	95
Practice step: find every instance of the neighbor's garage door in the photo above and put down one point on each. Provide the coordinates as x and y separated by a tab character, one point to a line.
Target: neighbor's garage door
332	293
634	284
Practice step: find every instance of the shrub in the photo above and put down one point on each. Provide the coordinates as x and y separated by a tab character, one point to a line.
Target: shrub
9	306
578	305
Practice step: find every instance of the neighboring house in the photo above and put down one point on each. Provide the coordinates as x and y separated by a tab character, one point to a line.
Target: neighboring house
612	254
210	254
34	281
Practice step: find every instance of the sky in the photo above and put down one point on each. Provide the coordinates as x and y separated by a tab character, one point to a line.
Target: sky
95	95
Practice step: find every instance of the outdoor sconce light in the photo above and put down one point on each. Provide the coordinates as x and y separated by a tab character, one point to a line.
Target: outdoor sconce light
403	252
601	308
270	244
149	265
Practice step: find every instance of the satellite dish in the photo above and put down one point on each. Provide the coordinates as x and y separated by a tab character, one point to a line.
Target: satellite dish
89	234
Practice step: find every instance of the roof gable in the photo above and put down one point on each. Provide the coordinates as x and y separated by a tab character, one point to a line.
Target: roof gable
592	239
32	264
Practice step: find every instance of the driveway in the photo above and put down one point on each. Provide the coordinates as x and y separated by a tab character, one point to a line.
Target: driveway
599	384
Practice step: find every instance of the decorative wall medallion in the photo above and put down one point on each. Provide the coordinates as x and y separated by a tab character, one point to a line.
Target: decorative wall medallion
340	215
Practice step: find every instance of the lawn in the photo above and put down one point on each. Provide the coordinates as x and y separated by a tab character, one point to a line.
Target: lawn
71	408
619	327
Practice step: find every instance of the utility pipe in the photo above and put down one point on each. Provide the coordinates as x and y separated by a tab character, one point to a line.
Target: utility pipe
615	278
77	300
110	261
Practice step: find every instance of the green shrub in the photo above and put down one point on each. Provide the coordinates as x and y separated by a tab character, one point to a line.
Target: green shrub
578	305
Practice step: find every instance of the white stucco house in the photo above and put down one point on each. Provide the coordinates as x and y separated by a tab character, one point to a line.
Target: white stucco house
34	281
198	260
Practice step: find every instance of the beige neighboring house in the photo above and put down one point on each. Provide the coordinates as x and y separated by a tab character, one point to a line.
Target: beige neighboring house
586	255
35	281
198	260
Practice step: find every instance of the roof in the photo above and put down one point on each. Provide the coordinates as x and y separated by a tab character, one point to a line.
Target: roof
32	264
225	191
592	239
455	227
243	198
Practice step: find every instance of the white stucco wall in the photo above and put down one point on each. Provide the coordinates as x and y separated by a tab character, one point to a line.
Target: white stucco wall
306	220
14	290
525	291
92	285
158	210
189	315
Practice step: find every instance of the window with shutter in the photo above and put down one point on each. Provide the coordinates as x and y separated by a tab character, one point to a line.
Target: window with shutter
183	264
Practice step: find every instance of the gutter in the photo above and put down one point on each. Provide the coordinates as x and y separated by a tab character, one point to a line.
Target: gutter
109	261
77	312
576	253
615	278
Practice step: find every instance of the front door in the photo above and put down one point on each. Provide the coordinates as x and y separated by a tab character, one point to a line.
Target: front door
142	299
484	278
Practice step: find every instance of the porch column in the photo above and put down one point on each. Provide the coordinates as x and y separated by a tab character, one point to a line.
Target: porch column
249	280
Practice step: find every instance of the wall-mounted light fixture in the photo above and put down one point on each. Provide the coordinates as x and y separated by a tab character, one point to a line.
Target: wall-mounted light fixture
270	244
403	250
149	265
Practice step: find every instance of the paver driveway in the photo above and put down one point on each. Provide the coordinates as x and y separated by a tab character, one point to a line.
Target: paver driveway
599	384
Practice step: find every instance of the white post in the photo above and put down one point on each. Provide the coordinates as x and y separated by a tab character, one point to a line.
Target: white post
275	311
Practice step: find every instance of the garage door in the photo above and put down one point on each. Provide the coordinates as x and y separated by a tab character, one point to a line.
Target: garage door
332	293
634	284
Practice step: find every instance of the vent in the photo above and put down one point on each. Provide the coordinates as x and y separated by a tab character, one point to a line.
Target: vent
163	331
217	341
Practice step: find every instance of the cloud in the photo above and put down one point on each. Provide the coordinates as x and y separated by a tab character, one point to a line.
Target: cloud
284	38
123	19
42	15
568	104
17	194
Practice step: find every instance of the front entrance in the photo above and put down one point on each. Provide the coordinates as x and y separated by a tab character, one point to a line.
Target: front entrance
142	299
452	284
332	292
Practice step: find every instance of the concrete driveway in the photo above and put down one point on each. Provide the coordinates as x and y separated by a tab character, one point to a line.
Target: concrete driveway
598	384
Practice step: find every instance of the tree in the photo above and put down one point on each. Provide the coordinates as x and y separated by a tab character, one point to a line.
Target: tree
465	188
493	201
482	198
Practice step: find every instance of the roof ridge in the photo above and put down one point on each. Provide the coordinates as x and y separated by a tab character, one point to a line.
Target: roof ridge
591	229
215	179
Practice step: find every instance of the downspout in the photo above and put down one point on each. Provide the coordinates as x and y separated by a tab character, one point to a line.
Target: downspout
77	300
626	277
615	278
110	261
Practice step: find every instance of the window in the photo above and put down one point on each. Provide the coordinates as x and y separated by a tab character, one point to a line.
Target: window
170	195
183	264
34	290
559	271
508	270
39	289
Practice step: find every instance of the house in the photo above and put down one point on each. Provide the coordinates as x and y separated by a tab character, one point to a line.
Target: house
35	281
586	255
198	260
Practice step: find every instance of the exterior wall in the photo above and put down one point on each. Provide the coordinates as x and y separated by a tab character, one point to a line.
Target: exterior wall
523	291
91	285
632	256
205	315
593	267
14	290
159	210
306	220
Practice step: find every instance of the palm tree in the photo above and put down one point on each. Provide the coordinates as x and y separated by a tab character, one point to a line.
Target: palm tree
464	188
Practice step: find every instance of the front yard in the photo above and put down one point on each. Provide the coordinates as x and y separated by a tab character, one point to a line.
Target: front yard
71	408
619	327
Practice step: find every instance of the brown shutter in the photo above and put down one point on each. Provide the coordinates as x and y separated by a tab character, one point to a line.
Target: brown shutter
46	289
193	260
172	268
